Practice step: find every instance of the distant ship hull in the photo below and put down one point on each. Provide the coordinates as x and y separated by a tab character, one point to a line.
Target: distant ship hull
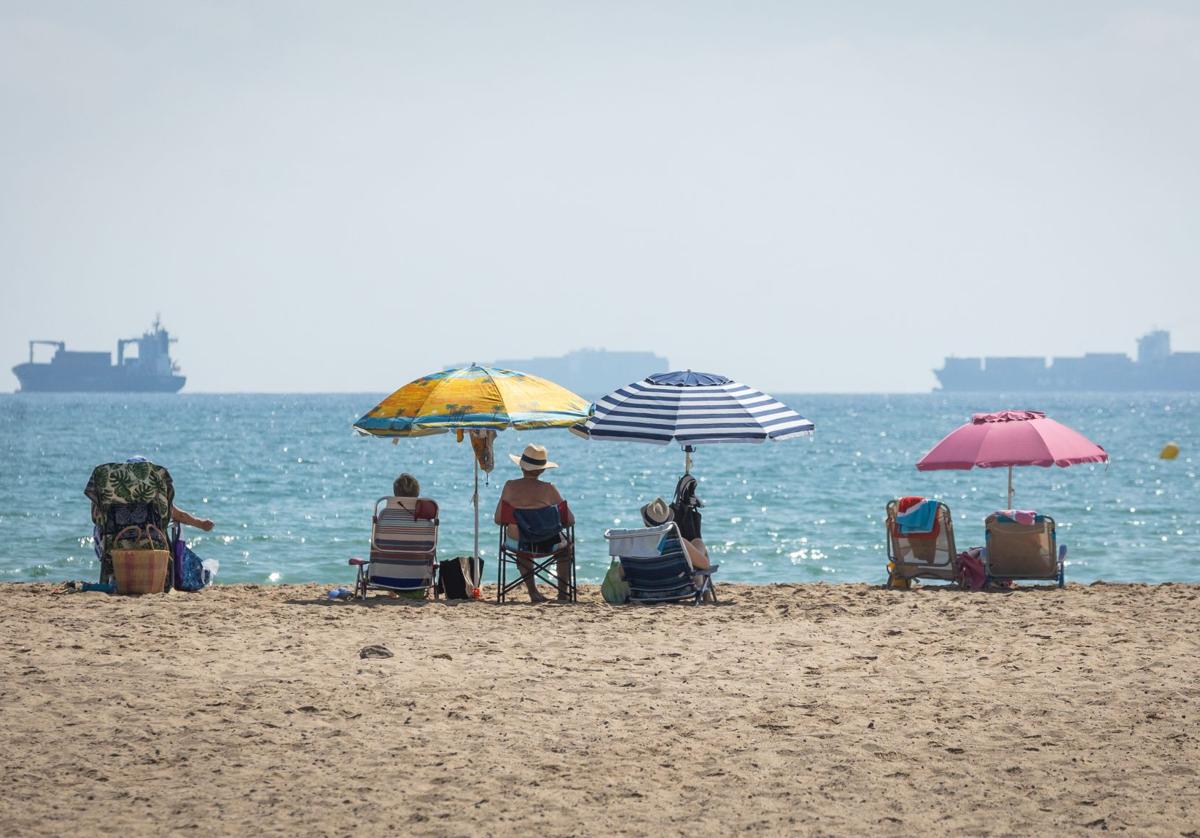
1156	368
44	378
151	370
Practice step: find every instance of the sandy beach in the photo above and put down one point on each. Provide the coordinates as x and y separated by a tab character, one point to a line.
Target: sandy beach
785	709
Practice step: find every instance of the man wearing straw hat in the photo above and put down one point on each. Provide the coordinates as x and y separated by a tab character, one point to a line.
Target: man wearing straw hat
529	491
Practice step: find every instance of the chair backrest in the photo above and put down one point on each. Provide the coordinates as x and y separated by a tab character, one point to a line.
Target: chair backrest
922	554
128	494
539	529
1021	551
404	533
654	563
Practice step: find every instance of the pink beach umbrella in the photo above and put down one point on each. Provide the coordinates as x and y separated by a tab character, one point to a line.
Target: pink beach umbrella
1011	438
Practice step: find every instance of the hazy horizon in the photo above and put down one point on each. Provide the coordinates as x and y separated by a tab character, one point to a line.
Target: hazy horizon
807	198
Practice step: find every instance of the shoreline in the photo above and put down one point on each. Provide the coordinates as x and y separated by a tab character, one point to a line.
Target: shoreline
807	708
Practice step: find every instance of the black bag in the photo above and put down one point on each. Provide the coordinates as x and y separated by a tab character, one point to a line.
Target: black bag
686	507
451	582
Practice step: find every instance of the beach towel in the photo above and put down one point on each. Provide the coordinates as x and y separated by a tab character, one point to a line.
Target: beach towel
1024	517
919	517
482	441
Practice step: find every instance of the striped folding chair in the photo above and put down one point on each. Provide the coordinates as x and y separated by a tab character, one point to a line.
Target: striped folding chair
657	568
547	536
404	534
921	555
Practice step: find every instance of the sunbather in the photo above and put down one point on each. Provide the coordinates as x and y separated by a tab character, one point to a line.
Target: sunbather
656	513
177	514
406	486
529	491
183	517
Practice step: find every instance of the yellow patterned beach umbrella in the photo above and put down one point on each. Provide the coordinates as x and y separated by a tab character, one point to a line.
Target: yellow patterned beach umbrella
477	398
474	398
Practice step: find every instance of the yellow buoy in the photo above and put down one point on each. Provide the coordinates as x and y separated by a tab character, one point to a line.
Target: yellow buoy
1170	451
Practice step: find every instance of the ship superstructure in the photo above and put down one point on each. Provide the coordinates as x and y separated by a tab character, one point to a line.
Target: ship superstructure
1155	368
150	370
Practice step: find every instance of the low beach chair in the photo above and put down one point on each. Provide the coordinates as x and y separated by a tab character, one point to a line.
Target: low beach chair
1023	551
921	555
656	567
546	536
404	534
123	495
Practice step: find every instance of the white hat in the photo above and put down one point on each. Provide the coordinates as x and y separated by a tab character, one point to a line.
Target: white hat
533	458
656	513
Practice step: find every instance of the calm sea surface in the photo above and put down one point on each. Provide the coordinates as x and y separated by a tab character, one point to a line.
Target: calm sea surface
291	487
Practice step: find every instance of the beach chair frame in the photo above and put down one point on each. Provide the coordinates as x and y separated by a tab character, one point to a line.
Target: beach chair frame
907	553
1020	561
687	577
124	494
540	562
421	555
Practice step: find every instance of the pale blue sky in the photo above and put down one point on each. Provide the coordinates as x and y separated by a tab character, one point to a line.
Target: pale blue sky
804	196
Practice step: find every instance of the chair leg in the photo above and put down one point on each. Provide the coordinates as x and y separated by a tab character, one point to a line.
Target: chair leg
500	562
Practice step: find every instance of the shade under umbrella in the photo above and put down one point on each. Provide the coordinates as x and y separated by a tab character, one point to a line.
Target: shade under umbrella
1011	438
473	398
691	408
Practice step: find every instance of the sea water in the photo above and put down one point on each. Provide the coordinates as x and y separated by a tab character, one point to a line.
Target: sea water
291	487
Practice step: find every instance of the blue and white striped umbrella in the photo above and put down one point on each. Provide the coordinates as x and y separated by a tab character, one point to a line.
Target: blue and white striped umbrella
691	408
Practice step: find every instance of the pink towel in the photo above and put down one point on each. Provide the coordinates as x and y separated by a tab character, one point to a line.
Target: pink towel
1025	517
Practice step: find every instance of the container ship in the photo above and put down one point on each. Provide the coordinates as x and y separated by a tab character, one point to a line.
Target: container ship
151	370
1155	368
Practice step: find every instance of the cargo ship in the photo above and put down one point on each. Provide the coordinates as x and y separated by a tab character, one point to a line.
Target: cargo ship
1155	368
151	370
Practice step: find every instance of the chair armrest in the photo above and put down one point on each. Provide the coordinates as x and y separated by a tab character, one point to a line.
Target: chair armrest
709	572
357	562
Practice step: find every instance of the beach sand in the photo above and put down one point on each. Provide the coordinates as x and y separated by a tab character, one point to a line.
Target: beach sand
785	709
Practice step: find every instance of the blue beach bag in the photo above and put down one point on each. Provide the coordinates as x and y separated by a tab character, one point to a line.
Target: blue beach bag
190	573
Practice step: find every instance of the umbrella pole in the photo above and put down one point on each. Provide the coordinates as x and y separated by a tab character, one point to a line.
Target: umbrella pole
475	501
687	459
1010	506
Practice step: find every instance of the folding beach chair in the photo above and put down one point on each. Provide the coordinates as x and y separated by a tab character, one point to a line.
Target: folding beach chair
656	566
546	536
1023	551
921	555
404	533
125	495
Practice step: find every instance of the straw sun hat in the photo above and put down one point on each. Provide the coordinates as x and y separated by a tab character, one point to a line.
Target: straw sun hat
533	458
656	513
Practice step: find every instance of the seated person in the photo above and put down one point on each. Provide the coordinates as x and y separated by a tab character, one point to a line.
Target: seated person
183	517
406	486
529	491
178	514
656	513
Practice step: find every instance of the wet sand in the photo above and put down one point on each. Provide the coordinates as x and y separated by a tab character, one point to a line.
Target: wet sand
805	709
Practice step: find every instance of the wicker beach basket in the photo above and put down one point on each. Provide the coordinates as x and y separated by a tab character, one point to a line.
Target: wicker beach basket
143	568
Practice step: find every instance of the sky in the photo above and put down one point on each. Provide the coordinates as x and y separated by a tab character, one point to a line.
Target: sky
807	197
